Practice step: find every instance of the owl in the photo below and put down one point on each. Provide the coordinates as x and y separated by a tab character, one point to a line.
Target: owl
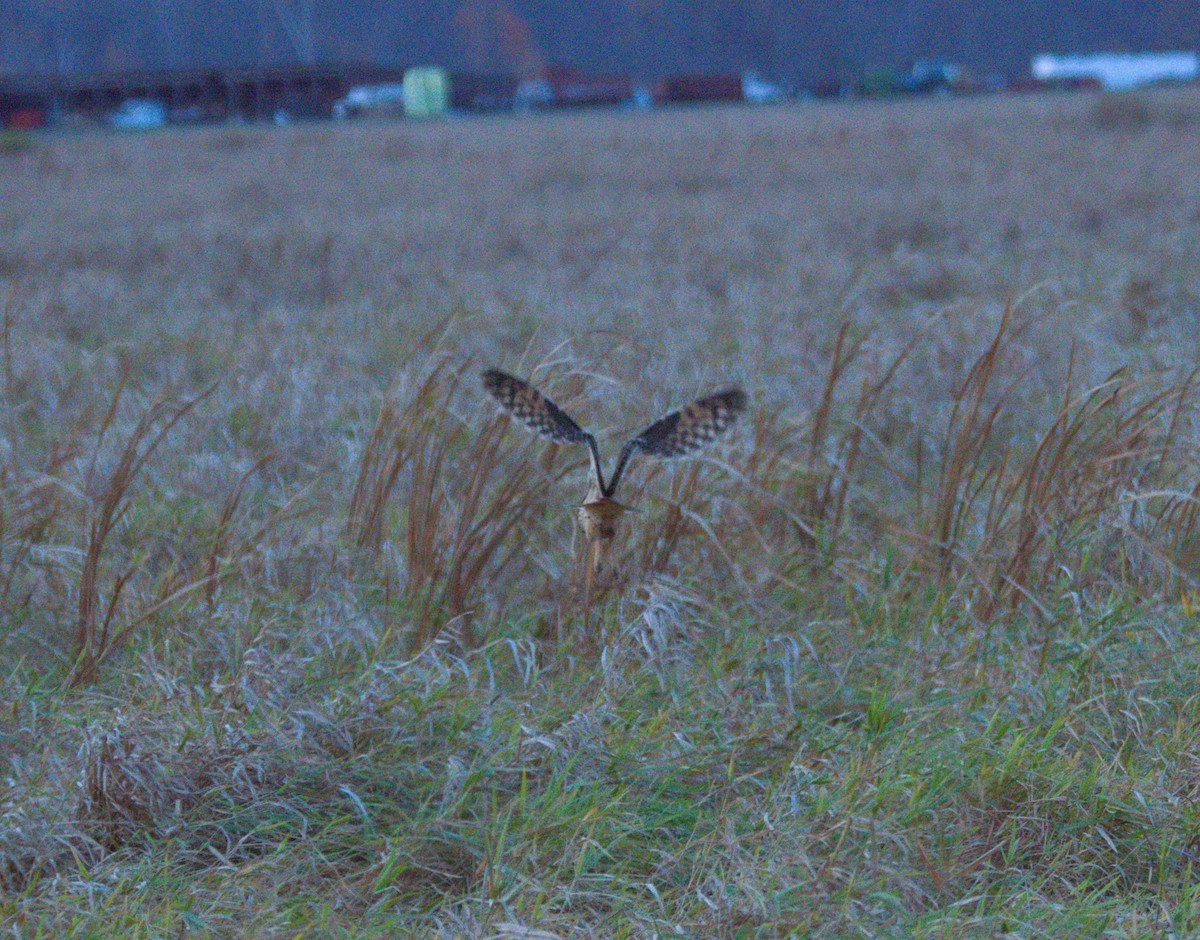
678	434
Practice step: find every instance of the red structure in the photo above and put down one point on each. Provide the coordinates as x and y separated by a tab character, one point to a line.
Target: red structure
687	88
24	107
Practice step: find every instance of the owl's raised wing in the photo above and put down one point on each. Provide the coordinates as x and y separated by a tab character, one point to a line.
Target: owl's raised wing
683	432
540	415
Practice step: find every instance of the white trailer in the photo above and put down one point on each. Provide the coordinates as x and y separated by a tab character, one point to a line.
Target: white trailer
1118	71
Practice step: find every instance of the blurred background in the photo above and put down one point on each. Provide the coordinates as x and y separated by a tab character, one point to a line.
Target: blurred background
836	44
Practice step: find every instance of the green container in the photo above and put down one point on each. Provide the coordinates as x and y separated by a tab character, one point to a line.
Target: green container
426	92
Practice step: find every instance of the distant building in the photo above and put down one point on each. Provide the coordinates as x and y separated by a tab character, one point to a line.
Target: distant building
1118	71
187	96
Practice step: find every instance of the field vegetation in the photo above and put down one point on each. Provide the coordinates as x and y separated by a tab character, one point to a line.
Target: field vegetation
291	619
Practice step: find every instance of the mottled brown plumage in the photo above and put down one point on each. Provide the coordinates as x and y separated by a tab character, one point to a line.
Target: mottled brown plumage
679	434
532	408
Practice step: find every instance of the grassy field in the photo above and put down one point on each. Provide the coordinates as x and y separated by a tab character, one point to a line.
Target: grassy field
291	623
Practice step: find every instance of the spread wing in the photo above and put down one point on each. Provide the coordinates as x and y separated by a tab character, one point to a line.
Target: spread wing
685	431
540	414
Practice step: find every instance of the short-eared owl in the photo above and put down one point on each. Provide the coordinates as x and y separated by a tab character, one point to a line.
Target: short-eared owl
678	434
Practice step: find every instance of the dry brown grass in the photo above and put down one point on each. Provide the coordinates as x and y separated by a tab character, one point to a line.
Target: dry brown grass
286	603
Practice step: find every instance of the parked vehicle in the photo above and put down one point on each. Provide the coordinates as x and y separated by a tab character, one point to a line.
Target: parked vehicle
139	114
757	90
386	98
563	87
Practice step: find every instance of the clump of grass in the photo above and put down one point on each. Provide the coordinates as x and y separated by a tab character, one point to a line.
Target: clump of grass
384	457
835	450
1009	519
97	634
465	502
220	554
1122	111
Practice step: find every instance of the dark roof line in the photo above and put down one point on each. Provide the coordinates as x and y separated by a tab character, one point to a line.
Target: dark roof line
51	83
